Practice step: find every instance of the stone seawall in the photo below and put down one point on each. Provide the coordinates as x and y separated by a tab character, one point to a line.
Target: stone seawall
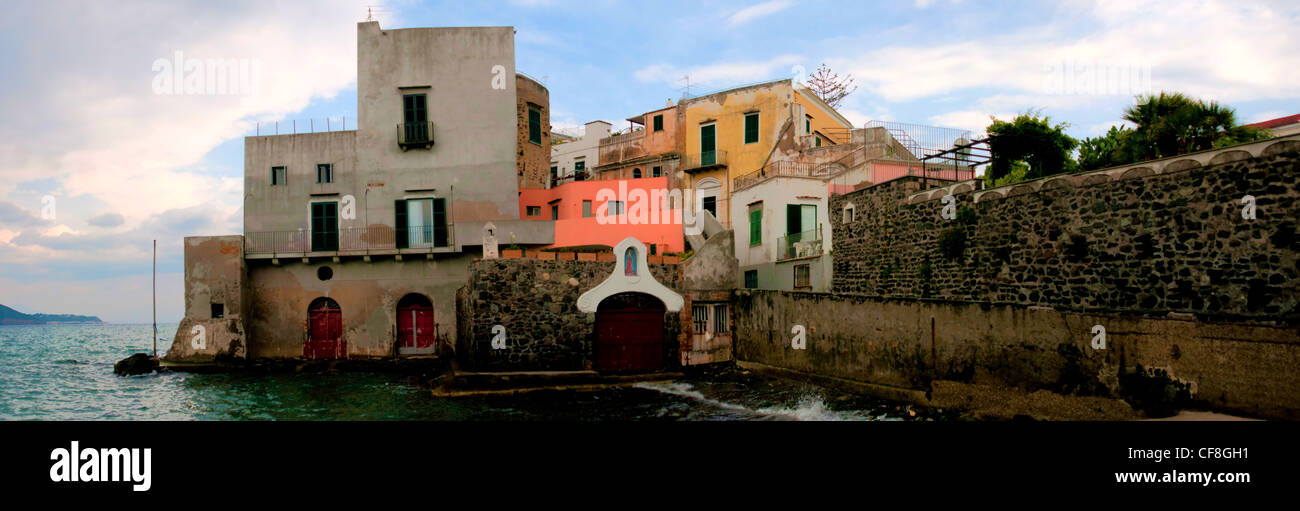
981	356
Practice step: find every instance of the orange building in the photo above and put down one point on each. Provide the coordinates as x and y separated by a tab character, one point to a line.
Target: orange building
604	212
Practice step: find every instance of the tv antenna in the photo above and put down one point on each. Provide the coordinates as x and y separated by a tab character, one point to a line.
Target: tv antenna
687	89
372	10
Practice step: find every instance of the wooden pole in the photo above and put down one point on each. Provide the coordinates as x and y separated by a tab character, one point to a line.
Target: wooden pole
155	298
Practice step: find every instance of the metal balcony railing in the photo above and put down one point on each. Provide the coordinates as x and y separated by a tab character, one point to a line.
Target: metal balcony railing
415	134
348	239
789	169
801	244
704	160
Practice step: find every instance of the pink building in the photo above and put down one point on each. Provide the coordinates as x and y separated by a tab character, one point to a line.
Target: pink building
604	212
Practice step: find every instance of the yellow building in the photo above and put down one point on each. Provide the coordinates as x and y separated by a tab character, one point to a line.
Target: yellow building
737	131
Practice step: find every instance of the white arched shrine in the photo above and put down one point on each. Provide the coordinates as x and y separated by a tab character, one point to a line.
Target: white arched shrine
639	280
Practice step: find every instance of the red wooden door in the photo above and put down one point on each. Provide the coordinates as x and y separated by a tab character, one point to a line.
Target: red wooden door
415	326
630	333
324	331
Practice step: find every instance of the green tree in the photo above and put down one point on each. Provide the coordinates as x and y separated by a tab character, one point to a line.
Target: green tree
1167	124
1028	145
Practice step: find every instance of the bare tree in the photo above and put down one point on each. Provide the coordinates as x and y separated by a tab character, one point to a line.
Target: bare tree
830	86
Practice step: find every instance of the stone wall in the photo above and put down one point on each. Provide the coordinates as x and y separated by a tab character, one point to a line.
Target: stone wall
980	356
215	273
536	301
1158	237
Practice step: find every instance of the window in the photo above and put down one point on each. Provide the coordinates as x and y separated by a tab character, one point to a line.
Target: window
534	126
817	142
586	209
218	311
579	169
421	222
756	224
848	213
751	128
659	122
534	211
807	125
711	205
751	279
802	276
279	176
324	226
708	145
415	114
614	207
657	171
324	173
652	249
713	318
629	262
555	211
800	218
636	173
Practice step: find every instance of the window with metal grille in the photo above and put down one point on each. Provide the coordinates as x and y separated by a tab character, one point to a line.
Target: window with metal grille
700	318
721	319
802	276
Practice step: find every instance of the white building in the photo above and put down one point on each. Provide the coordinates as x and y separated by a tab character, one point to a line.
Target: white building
579	156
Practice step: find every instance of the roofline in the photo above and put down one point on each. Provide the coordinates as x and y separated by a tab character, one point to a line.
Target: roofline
807	93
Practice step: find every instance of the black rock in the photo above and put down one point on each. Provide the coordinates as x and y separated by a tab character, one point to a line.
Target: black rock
138	363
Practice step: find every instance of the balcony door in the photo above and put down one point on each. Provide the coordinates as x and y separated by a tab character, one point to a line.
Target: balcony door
708	145
421	223
324	226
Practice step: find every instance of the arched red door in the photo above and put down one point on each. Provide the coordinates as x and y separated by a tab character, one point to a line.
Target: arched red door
630	333
416	330
324	330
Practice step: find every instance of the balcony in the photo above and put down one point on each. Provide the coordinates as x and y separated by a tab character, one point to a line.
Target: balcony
789	169
415	135
707	160
350	241
797	245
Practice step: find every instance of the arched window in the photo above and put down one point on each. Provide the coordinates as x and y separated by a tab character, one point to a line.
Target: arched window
636	173
629	262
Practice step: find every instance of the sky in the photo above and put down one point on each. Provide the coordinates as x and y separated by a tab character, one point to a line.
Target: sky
98	159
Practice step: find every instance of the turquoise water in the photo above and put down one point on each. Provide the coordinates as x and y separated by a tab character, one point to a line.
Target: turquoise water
65	372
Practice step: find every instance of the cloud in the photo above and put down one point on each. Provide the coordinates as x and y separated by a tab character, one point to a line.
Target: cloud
106	220
754	12
720	73
973	120
1214	50
13	215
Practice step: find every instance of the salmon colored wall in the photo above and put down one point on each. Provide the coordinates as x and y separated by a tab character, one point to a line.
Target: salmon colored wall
572	229
663	141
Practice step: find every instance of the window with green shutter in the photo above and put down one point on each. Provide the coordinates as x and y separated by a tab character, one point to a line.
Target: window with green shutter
535	126
756	225
751	279
751	128
659	122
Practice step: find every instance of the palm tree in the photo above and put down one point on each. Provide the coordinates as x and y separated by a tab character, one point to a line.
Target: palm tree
1172	123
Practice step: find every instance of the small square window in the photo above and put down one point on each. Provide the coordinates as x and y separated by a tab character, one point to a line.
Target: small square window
614	208
534	211
324	173
586	209
218	311
657	172
751	279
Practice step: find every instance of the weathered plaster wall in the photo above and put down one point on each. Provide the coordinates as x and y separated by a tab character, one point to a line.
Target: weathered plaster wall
214	273
1252	369
367	294
534	159
286	207
536	302
473	159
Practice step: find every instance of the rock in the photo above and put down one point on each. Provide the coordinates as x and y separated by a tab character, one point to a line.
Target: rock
138	363
573	282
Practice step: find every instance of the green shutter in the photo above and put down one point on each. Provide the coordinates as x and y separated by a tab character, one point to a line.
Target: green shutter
659	122
439	222
324	226
756	226
708	146
534	126
400	223
751	128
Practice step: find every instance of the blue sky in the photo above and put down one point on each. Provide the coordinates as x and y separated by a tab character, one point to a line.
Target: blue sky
127	165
